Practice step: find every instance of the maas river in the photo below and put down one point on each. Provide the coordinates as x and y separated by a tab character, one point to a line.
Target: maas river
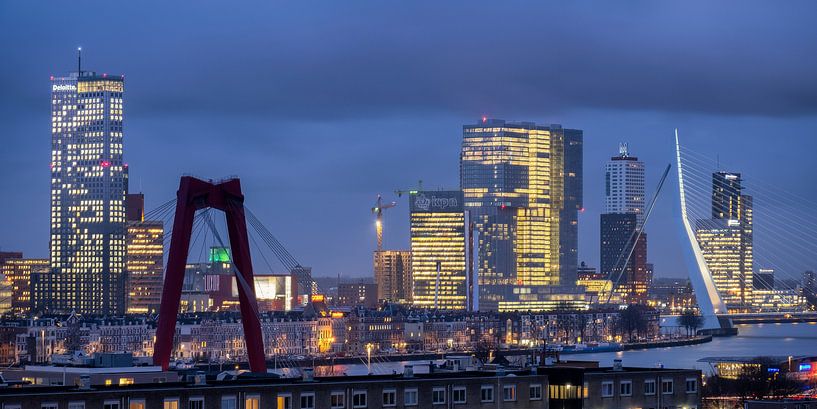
753	340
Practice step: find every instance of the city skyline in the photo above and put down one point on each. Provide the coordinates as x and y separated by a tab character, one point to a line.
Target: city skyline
156	164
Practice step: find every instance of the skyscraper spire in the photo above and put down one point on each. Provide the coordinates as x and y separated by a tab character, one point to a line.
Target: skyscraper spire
79	60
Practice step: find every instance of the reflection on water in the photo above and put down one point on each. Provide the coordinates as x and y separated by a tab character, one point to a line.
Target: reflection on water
753	340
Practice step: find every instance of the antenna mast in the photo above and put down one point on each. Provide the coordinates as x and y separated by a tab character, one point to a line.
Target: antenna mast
79	60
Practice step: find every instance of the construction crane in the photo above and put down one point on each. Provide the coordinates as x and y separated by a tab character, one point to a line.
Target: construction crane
378	208
419	187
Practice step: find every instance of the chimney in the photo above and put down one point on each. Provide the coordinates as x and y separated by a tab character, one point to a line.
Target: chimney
408	371
617	365
85	382
200	379
308	375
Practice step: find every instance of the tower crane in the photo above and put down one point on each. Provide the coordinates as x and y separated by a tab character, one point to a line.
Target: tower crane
401	192
378	208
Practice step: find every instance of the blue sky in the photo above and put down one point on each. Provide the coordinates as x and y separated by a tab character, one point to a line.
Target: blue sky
320	106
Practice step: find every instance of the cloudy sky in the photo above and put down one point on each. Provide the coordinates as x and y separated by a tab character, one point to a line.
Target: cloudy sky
320	106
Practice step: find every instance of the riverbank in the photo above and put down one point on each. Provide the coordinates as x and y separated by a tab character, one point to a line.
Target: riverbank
432	356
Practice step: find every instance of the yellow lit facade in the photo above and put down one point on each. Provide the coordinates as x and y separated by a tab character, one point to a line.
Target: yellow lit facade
729	260
19	272
145	265
439	236
512	179
88	188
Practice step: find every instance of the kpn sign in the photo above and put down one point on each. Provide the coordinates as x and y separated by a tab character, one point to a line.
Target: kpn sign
436	201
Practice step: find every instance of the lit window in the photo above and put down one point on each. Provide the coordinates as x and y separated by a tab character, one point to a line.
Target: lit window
172	403
252	402
137	404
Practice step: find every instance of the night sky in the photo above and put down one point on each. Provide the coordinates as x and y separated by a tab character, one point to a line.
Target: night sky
320	106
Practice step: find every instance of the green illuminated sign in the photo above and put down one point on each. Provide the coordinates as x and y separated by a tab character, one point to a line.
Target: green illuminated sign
219	255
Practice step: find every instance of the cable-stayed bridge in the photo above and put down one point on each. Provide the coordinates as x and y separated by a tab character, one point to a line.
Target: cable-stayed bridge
747	242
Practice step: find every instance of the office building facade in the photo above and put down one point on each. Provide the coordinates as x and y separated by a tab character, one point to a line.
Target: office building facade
512	178
393	275
88	189
19	271
439	250
726	240
573	205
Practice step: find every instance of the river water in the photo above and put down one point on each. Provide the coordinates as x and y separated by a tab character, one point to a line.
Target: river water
752	340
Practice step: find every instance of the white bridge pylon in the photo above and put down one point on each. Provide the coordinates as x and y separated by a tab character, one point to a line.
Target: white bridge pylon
709	300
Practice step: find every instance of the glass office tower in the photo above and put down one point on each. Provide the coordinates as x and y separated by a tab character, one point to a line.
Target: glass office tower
512	177
88	188
439	250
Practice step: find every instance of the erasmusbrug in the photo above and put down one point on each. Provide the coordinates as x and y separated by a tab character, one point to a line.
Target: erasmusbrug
747	242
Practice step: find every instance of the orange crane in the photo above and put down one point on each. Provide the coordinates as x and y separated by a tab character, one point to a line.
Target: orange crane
378	208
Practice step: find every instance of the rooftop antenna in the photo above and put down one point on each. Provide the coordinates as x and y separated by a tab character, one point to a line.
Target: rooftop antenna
79	60
622	150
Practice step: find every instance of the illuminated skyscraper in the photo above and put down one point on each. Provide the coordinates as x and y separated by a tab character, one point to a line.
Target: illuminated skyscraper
145	259
88	188
439	250
393	276
512	177
726	240
19	273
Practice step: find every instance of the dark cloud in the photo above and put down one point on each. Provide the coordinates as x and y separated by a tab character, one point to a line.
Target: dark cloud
320	106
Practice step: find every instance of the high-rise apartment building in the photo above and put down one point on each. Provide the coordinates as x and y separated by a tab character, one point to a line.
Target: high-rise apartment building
88	188
623	253
393	275
18	271
512	177
573	205
440	237
726	240
145	258
624	184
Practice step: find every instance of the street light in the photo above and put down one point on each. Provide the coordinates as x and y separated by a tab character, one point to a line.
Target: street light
369	355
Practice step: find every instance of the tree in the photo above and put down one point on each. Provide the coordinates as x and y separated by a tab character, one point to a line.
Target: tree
691	320
631	321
